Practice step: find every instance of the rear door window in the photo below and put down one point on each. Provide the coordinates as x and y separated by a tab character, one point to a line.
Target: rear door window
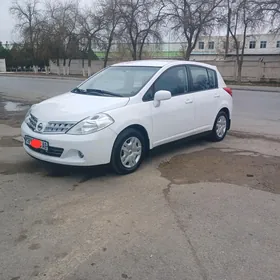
202	78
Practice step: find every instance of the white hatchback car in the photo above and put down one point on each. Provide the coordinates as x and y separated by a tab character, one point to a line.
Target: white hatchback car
123	111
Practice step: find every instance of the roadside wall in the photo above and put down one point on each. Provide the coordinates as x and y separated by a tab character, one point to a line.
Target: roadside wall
2	65
252	70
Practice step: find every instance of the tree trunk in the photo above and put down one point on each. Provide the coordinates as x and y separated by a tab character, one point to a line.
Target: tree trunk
142	46
31	42
239	78
239	71
64	66
106	57
89	57
57	64
228	28
134	51
108	50
68	68
83	66
188	53
141	51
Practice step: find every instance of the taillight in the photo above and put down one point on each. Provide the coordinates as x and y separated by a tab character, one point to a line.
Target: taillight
228	90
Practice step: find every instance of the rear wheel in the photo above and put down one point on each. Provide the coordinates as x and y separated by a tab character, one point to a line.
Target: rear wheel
220	127
128	151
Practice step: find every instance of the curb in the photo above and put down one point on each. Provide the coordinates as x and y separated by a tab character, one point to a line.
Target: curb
75	78
47	77
261	88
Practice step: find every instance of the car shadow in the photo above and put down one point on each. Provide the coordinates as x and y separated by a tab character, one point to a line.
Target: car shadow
176	146
83	174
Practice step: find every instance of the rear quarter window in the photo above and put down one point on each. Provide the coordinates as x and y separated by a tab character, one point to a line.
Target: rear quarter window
212	75
202	78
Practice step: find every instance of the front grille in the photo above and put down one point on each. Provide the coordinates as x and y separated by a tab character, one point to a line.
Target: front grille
58	127
52	151
52	127
32	122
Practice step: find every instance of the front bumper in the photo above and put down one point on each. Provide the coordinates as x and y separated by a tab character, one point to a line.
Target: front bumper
96	147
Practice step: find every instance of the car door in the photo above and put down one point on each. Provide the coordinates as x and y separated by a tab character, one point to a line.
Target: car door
204	87
174	118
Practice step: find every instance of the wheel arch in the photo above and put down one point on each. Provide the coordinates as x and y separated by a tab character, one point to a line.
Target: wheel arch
226	110
142	130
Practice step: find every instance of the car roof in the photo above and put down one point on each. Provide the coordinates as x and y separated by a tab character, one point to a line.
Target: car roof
162	63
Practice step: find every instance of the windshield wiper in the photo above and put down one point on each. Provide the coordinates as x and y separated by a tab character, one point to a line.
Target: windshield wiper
78	90
103	92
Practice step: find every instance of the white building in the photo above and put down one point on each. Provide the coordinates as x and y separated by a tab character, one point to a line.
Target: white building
256	46
210	48
2	65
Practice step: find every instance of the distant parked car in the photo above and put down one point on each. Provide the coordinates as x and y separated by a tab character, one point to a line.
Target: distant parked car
123	111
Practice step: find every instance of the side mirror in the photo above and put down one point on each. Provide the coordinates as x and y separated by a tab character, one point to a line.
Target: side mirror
160	96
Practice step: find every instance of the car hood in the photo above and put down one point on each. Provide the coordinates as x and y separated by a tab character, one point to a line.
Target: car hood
75	107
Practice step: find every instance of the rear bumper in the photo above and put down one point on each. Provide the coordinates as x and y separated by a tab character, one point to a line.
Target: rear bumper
96	147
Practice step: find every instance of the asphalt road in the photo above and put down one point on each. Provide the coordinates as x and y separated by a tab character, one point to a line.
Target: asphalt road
194	210
254	111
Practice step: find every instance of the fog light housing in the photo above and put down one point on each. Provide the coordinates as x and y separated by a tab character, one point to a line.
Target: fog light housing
81	155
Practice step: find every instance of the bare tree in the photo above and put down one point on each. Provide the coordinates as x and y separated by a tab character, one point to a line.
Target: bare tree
63	18
91	23
110	11
246	18
141	23
191	19
83	48
29	20
271	11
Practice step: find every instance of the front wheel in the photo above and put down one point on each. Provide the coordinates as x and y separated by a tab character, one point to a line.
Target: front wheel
220	127
128	151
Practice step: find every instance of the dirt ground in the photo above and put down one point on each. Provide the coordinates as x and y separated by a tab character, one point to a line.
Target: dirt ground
243	168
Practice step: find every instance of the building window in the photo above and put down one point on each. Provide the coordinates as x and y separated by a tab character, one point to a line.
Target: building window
278	44
252	45
263	45
211	45
201	45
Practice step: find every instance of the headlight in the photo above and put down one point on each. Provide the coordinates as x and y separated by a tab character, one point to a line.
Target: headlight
91	124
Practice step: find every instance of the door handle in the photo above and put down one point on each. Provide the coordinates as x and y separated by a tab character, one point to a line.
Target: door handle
217	95
188	101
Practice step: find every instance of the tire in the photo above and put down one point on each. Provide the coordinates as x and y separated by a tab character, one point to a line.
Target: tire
128	151
222	122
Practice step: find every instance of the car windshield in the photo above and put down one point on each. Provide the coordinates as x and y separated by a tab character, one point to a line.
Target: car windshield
119	81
